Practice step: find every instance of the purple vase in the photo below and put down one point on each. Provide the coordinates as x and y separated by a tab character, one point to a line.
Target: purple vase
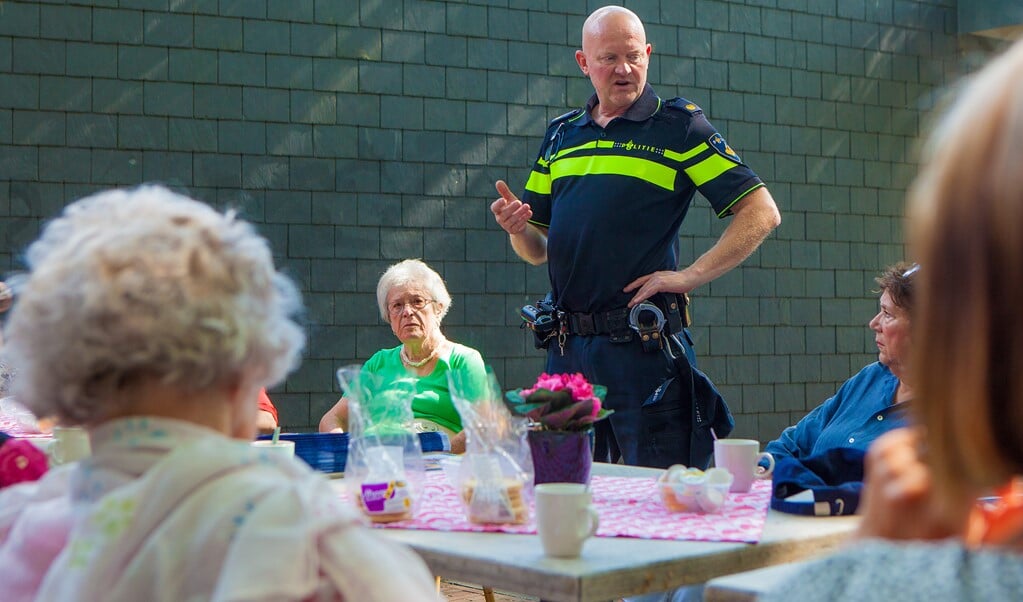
561	456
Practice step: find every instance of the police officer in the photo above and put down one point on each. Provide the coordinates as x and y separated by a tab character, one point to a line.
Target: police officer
603	206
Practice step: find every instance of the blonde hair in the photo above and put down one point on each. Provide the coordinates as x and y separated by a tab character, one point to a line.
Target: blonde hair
146	283
413	272
966	208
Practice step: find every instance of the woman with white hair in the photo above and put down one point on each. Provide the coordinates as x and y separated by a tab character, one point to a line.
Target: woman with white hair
413	299
153	321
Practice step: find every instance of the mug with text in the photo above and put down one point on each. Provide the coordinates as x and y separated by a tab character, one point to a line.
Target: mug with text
742	457
564	518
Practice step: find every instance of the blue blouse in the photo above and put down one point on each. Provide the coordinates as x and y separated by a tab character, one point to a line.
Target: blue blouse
858	413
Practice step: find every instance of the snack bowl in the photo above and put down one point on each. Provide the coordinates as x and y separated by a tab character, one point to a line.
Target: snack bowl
684	489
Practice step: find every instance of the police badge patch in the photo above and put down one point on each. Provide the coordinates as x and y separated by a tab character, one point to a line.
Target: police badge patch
717	141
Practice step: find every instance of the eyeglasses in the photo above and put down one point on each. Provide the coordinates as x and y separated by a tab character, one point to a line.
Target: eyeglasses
416	303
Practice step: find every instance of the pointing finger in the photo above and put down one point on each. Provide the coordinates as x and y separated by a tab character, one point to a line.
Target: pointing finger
504	191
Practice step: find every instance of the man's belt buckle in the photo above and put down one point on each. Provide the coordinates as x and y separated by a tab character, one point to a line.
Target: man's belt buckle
646	331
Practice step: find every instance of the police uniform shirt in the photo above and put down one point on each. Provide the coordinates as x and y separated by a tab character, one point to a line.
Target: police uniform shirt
613	198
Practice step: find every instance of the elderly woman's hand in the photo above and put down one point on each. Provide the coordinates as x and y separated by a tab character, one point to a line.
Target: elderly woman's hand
898	497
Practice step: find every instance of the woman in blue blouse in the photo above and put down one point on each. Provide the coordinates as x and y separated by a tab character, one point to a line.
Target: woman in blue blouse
833	437
923	534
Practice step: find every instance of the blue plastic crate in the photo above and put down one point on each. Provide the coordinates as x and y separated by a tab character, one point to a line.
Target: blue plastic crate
327	452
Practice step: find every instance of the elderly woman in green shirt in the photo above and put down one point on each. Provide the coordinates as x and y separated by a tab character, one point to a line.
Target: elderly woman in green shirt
413	300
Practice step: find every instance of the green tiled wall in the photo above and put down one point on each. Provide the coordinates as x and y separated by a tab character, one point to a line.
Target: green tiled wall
356	133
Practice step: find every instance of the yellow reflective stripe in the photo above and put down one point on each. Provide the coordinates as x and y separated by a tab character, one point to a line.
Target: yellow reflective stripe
708	169
728	209
575	149
689	154
648	171
539	183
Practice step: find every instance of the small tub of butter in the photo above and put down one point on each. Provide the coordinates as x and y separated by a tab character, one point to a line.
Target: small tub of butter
686	489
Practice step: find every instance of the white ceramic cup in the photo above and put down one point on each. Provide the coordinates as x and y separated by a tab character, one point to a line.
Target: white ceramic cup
741	458
564	518
282	447
70	444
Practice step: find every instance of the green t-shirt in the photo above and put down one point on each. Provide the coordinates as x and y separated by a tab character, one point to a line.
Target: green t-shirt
432	400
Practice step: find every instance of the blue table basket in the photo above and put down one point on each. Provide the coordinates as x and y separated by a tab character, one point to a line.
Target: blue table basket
327	452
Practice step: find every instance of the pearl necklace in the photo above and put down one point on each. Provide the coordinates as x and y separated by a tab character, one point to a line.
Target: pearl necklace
408	361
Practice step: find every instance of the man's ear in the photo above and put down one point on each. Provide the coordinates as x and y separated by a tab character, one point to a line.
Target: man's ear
580	58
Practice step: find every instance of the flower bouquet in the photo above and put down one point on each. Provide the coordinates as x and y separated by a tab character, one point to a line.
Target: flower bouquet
560	402
561	409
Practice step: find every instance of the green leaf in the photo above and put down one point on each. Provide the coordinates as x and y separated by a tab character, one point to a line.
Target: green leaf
566	418
514	396
586	421
556	410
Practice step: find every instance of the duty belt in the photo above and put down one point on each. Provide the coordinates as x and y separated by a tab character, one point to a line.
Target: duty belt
605	322
622	324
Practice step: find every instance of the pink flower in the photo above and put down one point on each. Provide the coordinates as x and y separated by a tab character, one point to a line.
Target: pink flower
577	384
551	382
561	402
20	461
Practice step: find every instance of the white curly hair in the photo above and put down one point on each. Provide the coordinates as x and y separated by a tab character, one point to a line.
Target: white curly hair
413	272
146	283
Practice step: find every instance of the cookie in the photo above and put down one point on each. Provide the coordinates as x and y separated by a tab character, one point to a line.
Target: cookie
510	506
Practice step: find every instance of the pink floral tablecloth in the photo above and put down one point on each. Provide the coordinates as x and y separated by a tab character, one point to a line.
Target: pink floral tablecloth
627	506
15	428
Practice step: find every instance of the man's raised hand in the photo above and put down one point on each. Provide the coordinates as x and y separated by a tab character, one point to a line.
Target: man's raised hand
511	214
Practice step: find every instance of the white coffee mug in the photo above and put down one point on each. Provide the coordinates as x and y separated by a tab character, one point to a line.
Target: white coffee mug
70	444
564	518
282	447
741	457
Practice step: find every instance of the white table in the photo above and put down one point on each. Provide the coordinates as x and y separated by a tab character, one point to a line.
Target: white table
614	567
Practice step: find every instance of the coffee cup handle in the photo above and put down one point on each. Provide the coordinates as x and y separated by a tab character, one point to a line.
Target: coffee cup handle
761	472
594	524
54	452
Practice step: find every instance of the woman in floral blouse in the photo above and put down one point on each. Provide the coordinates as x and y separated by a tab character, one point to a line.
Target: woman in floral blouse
153	321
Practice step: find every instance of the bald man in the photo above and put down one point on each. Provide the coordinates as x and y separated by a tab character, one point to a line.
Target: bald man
603	206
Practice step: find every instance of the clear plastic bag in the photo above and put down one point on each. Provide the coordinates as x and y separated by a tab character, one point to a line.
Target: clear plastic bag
495	476
18	417
385	466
